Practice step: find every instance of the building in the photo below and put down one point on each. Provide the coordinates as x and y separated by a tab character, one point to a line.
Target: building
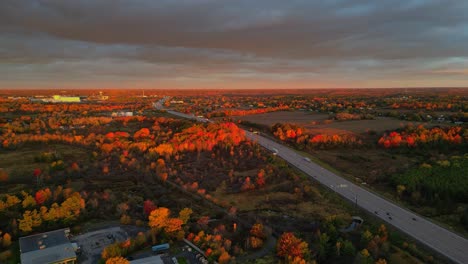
99	97
148	260
65	99
121	113
50	247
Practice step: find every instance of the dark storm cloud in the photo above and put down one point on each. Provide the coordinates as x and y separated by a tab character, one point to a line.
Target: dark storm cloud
215	39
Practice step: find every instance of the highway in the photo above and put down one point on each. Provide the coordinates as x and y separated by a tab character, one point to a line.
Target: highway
441	240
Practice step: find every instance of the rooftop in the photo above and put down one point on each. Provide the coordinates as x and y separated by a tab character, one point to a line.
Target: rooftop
148	260
46	247
49	255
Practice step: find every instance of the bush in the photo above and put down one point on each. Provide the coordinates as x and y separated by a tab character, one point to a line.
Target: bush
5	255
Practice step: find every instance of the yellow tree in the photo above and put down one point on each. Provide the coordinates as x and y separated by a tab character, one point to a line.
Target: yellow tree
71	206
26	223
12	200
36	218
28	201
185	214
55	212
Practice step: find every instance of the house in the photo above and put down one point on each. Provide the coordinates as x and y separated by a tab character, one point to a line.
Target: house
50	247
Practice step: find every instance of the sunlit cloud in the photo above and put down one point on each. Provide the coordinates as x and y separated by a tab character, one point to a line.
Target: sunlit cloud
247	43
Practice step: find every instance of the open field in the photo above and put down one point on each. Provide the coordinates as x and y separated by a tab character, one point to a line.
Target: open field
379	124
296	117
20	163
317	123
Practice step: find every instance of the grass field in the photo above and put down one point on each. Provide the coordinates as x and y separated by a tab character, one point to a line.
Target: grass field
20	163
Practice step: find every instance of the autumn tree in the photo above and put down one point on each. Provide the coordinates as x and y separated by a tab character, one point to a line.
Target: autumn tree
158	218
117	260
125	219
185	214
224	258
112	251
6	241
260	178
28	201
148	207
173	225
12	200
290	246
258	231
26	223
40	197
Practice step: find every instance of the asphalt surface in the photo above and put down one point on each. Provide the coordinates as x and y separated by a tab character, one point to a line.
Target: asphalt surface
93	243
438	238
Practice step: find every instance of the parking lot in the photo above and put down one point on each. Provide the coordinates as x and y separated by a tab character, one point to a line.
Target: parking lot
93	243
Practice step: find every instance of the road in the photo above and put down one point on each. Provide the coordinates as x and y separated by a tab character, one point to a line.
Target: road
434	236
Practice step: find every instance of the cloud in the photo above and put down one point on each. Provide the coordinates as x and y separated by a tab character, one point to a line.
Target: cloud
213	39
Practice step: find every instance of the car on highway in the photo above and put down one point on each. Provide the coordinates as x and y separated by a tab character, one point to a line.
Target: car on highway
307	159
275	151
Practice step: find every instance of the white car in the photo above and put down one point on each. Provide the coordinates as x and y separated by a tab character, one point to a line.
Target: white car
307	159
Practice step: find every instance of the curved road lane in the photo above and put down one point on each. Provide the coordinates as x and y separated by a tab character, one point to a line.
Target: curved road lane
439	239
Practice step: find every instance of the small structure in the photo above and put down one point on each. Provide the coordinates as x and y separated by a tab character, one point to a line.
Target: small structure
49	247
355	223
99	97
121	113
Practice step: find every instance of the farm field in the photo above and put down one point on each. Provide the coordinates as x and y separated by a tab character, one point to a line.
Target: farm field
297	117
379	125
318	123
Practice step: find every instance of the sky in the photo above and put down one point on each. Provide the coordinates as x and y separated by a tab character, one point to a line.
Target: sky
234	44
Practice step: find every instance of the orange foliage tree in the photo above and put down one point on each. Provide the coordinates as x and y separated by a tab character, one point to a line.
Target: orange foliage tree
289	246
416	136
117	260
